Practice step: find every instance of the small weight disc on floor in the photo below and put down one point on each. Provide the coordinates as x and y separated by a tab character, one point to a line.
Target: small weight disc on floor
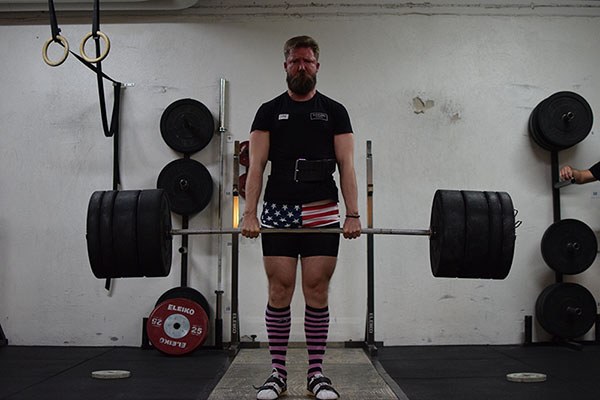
566	310
564	119
185	292
111	374
447	242
569	246
92	234
154	244
188	186
177	326
187	126
526	377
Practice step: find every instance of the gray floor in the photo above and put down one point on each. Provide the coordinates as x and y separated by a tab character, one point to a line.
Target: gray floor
350	370
479	372
64	373
418	373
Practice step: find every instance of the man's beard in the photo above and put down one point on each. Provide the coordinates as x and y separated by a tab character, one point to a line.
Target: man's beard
302	83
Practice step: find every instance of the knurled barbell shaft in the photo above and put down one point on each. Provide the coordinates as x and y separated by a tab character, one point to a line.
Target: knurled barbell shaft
366	231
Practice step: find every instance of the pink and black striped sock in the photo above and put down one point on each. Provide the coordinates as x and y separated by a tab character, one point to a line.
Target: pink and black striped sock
316	328
279	323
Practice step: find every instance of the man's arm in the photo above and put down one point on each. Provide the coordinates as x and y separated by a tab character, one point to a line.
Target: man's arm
580	175
344	153
259	154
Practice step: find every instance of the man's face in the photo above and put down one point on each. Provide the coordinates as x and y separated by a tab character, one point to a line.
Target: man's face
301	67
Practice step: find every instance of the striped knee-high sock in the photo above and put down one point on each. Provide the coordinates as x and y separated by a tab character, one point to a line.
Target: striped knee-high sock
279	323
316	328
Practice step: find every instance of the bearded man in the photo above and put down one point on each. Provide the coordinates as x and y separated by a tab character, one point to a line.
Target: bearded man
305	135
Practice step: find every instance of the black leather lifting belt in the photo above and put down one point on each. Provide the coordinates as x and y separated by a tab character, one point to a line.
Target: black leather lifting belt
302	170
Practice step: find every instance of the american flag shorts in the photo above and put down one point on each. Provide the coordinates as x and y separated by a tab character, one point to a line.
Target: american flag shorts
299	215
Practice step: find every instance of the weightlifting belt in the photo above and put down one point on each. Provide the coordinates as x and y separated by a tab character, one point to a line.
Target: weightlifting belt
302	170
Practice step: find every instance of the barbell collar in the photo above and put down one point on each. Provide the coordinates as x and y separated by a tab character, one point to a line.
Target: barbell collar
366	231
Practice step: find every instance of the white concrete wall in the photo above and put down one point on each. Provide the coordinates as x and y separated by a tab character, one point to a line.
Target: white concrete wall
483	73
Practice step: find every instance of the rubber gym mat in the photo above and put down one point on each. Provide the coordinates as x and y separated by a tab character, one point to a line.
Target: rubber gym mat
479	372
64	373
350	370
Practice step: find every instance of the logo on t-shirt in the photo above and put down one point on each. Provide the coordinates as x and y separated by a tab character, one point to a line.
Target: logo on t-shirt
319	116
284	116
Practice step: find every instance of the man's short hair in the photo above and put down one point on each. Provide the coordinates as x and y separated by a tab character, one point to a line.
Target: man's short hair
299	42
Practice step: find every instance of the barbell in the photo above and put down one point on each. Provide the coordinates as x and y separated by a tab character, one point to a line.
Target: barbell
471	233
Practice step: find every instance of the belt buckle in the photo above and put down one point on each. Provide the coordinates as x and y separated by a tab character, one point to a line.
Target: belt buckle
296	169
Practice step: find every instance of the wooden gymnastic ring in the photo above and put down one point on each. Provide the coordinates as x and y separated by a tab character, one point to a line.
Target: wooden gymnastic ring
103	55
63	42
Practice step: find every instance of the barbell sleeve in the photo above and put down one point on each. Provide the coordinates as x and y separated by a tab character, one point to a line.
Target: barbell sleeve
366	231
564	183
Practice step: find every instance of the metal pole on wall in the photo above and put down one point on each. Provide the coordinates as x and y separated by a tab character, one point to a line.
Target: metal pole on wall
219	292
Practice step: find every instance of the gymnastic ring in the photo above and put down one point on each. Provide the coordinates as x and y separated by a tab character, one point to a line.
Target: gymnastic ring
103	55
63	42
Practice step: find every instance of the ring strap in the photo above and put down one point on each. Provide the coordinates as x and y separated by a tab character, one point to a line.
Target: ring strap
96	20
113	129
53	22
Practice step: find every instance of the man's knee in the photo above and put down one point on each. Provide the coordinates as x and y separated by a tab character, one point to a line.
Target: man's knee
316	293
280	295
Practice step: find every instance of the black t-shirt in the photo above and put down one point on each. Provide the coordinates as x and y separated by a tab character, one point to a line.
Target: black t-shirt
300	130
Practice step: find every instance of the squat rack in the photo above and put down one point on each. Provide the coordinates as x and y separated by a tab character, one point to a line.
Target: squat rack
369	345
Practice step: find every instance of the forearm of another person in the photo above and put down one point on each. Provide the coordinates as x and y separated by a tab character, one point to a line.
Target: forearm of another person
344	150
580	176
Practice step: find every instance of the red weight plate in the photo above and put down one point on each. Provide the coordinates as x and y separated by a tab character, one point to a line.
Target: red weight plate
242	185
245	153
177	326
185	292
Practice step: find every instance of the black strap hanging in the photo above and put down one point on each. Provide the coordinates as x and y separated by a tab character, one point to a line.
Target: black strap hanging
111	130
